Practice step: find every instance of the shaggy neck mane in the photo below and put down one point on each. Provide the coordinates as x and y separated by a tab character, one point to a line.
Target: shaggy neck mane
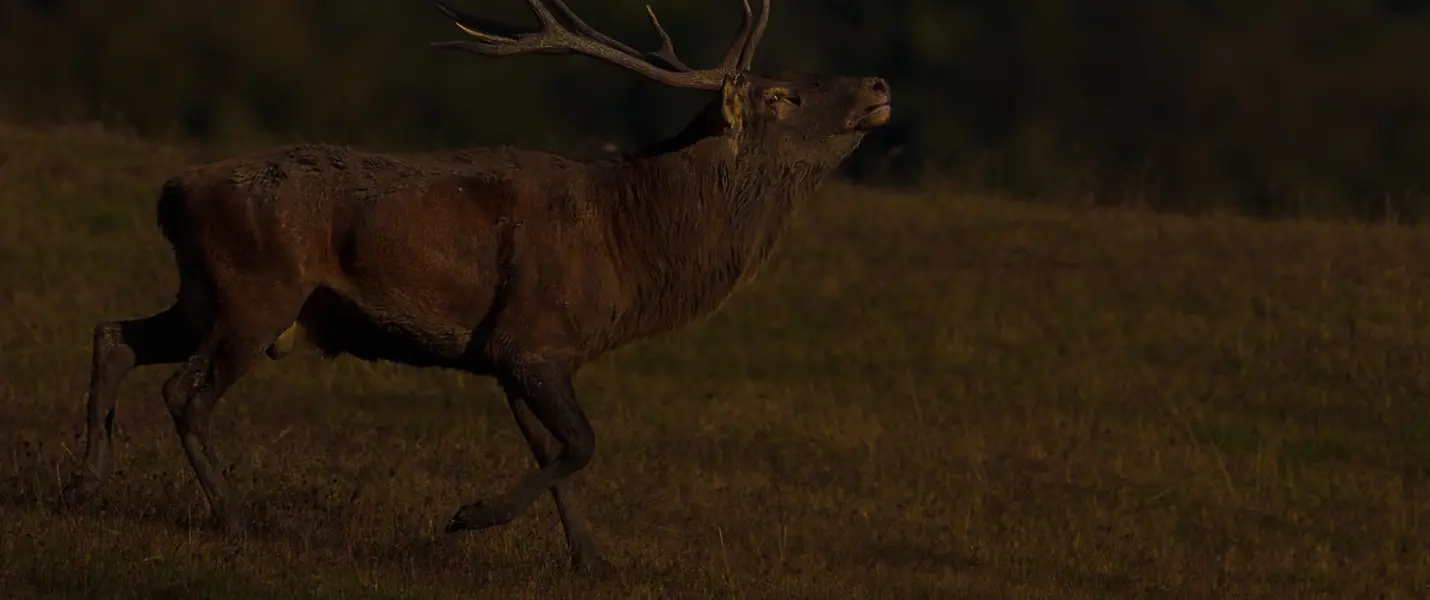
696	215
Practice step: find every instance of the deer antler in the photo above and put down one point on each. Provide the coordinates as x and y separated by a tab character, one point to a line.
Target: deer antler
496	39
745	52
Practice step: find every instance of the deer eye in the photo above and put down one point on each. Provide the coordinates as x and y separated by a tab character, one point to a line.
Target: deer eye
774	97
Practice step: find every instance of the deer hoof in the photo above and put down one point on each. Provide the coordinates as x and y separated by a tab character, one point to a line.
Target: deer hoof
481	515
79	491
228	524
591	564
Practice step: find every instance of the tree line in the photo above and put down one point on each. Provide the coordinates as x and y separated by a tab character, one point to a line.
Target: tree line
1275	107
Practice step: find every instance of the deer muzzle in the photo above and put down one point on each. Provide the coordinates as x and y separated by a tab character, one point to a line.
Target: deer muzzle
877	109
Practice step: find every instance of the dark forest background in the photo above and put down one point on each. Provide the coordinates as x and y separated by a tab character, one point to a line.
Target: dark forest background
1273	107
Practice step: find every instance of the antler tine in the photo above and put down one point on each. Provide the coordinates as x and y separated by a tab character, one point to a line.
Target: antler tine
587	30
666	53
477	27
747	55
496	39
737	45
667	48
544	16
591	32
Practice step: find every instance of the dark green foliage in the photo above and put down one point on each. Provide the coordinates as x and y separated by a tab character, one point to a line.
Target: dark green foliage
1274	107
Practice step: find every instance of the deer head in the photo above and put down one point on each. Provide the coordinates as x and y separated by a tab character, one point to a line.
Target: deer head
815	116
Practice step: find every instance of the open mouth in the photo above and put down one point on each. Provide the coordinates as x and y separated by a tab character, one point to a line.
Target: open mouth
876	115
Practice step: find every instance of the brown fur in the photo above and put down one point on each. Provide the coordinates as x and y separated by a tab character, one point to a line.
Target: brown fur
513	263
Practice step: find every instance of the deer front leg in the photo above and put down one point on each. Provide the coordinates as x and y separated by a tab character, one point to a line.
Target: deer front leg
547	392
584	551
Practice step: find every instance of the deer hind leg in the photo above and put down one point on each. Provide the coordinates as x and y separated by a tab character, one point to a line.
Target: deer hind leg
584	551
239	337
547	391
119	347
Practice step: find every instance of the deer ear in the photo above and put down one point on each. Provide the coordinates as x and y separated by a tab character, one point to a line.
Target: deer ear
735	100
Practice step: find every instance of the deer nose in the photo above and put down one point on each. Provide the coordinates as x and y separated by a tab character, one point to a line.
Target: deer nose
877	85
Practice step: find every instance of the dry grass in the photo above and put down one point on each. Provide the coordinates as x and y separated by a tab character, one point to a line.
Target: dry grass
924	396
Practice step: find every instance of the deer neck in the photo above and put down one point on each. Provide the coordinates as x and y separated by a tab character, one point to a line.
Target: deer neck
694	220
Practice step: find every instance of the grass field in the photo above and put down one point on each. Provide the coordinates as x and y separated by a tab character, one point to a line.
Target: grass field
923	396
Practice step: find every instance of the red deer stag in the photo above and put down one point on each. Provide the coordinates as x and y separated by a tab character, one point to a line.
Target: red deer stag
516	264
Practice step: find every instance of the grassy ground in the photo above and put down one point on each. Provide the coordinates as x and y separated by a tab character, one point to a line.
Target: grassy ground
923	396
